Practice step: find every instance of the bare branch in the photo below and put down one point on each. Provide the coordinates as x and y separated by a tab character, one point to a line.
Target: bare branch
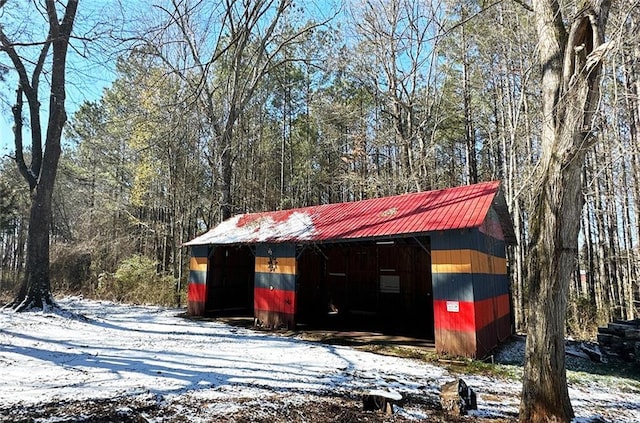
17	133
523	4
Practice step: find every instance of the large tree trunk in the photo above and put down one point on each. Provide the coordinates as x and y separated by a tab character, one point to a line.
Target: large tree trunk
35	291
552	261
570	86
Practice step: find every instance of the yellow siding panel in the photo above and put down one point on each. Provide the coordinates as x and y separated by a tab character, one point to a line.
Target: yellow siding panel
467	261
198	264
481	262
464	261
282	265
499	265
449	261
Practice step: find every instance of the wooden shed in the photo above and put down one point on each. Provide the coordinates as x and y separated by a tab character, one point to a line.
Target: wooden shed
432	264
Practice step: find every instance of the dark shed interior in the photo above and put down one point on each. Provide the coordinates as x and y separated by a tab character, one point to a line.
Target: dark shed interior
383	286
230	280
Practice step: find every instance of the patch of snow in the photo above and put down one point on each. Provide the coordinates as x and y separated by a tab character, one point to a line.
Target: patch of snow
391	394
101	350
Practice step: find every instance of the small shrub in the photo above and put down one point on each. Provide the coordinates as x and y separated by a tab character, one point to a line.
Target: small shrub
70	269
136	281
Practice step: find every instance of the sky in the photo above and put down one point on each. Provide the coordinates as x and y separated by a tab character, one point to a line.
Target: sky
102	350
91	66
94	80
6	136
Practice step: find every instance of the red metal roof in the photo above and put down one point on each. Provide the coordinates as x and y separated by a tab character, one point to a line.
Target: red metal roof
463	207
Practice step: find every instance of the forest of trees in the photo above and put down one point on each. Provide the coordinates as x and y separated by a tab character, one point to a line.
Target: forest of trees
219	108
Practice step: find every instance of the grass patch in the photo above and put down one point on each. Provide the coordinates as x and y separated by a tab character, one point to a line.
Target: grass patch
399	351
456	365
615	373
478	367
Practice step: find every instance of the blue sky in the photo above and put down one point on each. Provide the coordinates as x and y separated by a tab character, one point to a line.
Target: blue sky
6	138
86	76
90	90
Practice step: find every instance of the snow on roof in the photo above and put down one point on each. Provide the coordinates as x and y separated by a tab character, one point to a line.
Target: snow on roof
241	229
462	207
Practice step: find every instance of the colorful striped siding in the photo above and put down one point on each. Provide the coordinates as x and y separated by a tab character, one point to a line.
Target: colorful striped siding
197	283
471	297
275	285
286	265
467	261
455	315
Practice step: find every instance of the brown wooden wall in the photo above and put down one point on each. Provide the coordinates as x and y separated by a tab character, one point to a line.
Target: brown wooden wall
379	285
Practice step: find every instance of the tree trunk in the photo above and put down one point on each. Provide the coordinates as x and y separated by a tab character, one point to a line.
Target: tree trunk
469	131
226	164
570	87
553	257
35	291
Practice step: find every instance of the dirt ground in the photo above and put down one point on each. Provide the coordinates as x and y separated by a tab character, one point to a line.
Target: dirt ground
149	408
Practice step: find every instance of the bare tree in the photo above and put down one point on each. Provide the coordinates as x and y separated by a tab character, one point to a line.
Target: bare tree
401	38
226	50
571	60
40	172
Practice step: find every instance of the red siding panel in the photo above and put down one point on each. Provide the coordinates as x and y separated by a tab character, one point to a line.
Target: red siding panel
491	309
274	308
197	292
274	300
462	320
196	299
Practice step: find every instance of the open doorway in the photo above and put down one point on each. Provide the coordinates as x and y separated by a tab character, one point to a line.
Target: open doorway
382	286
230	281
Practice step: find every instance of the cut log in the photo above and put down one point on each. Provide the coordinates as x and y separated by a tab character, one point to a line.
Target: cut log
633	334
593	352
380	400
457	398
606	331
605	339
621	339
618	328
635	322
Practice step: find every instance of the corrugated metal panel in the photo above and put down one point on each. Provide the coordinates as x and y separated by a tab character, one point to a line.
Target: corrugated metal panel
453	208
197	282
274	291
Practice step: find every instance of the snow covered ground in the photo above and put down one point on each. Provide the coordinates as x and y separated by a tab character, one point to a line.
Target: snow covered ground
63	364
